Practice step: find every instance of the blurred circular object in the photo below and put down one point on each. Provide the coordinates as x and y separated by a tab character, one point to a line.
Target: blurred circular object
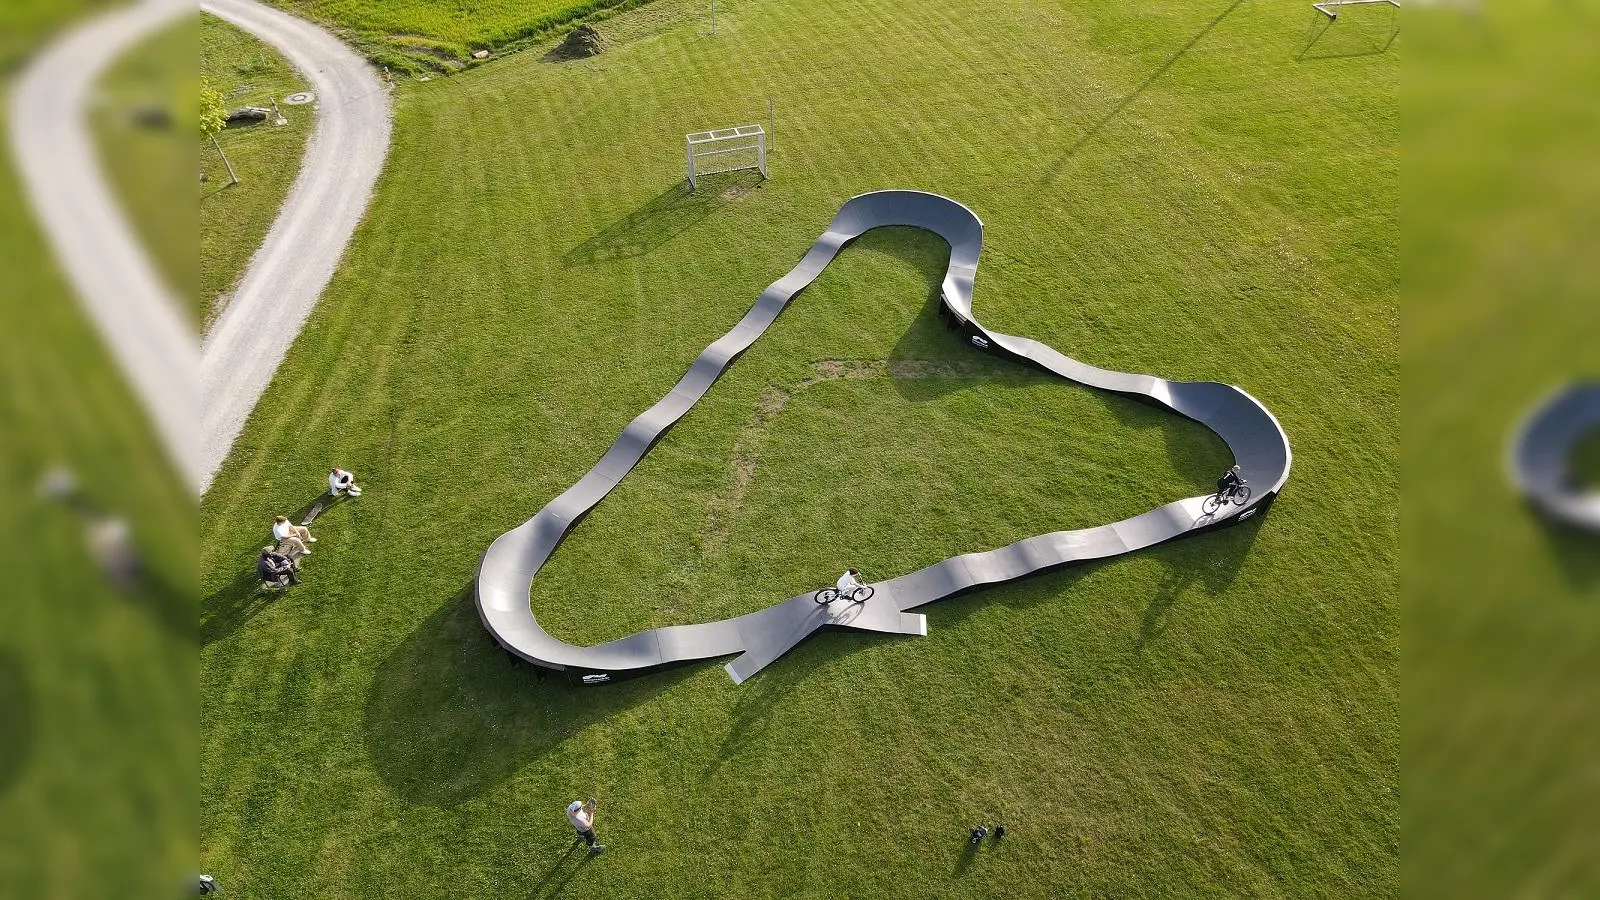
299	98
1542	451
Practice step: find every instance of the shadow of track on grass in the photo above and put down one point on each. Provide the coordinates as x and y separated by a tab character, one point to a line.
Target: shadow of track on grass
1576	552
753	714
1055	168
1213	563
670	214
450	715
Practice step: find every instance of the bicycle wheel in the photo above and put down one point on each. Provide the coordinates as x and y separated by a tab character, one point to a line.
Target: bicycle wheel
862	594
1241	495
827	595
1211	504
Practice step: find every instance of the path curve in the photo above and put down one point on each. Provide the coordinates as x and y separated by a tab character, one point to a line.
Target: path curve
343	158
506	573
138	316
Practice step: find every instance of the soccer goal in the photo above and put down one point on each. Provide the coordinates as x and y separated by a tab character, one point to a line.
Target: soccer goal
1332	8
726	150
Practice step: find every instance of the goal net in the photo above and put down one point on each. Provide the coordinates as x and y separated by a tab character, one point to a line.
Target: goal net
726	150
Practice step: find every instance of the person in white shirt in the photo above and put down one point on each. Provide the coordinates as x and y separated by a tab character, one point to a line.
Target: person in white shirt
849	583
581	815
341	483
295	536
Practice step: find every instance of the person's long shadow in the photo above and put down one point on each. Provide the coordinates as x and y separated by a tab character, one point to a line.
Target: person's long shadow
1055	168
227	609
669	214
450	714
556	878
969	852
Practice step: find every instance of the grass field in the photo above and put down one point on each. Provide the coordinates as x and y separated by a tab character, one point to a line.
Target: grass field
266	157
1502	615
97	688
426	35
1176	188
148	165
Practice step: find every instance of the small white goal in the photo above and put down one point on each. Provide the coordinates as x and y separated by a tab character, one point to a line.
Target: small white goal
1332	8
726	150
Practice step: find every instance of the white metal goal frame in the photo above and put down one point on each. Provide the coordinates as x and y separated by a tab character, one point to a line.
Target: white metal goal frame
1331	8
726	150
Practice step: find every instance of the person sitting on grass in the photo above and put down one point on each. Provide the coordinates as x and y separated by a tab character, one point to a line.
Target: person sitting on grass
275	569
295	537
849	583
1229	481
342	483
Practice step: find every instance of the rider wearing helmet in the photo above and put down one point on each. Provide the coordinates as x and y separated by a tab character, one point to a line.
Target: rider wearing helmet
1229	481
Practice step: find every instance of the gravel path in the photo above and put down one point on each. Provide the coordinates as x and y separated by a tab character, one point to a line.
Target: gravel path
343	158
136	313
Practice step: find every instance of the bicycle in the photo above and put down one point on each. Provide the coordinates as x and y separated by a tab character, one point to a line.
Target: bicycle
1238	495
860	594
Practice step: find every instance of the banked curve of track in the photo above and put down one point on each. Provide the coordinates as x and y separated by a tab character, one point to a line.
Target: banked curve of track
1542	452
506	572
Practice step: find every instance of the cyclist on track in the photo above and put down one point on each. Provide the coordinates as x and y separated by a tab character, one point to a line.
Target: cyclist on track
849	583
1229	482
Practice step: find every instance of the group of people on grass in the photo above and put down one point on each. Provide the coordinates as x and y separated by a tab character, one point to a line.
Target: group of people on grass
278	566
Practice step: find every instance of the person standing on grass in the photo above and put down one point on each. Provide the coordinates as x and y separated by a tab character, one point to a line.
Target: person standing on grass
581	815
342	483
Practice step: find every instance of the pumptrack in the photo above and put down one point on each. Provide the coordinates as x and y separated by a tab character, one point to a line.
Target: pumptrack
506	572
1542	451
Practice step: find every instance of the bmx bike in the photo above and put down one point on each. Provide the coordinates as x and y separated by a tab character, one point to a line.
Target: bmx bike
1237	495
856	595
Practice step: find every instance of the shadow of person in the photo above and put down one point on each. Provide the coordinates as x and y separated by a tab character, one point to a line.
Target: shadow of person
555	879
19	719
969	852
1055	168
450	715
669	214
228	608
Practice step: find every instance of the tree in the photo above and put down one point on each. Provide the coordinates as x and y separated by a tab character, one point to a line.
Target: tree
214	118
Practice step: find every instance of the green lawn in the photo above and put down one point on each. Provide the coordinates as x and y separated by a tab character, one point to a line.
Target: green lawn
266	157
431	35
97	688
1167	188
1502	612
148	165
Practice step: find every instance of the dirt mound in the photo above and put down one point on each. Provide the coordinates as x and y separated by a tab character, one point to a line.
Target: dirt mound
581	42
